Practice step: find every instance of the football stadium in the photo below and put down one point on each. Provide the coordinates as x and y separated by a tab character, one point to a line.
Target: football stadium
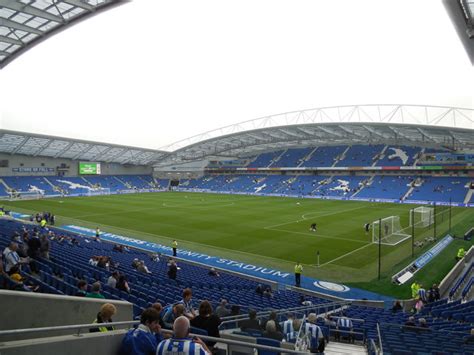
341	229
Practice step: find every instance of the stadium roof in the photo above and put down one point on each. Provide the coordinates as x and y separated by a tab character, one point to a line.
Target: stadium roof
47	146
25	23
433	126
461	13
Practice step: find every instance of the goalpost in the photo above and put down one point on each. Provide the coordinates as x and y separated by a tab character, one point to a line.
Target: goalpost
25	195
98	192
389	232
422	217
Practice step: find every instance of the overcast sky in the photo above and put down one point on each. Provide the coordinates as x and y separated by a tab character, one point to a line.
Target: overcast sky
152	72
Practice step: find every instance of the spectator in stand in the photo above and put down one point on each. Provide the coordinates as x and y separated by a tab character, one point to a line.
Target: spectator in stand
221	310
122	284
22	284
422	323
213	272
435	292
250	324
291	337
268	292
272	316
135	263
271	331
317	338
34	245
328	322
259	290
171	313
142	268
145	338
159	308
172	269
419	305
235	310
107	311
94	260
410	322
82	289
397	306
304	302
95	291
11	257
187	302
181	343
207	321
44	246
288	324
422	294
112	280
345	325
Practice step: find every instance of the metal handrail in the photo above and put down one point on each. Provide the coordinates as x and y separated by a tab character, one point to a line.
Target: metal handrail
229	319
374	346
65	327
380	338
203	337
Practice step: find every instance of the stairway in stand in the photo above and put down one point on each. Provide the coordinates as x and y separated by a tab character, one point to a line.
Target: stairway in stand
333	348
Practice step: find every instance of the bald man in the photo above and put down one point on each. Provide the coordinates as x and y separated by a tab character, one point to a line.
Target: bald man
181	343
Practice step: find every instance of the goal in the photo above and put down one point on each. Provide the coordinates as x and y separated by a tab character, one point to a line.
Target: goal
422	216
26	195
388	231
98	192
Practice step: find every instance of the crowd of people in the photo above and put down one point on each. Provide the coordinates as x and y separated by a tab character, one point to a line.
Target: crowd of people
423	296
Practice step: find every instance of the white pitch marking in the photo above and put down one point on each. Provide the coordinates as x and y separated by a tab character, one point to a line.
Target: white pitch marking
321	215
343	256
317	235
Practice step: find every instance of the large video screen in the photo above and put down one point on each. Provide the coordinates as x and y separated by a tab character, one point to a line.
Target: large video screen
89	168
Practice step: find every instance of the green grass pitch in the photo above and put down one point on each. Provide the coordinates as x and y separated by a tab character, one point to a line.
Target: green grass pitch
267	231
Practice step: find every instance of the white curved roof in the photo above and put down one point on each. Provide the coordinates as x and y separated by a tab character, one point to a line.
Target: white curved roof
401	124
25	23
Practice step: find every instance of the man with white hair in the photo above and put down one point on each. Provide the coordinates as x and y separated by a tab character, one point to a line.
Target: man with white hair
181	343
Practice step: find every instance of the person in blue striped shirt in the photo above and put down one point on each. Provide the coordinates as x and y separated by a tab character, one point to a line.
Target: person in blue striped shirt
288	324
181	343
344	323
422	294
315	334
291	337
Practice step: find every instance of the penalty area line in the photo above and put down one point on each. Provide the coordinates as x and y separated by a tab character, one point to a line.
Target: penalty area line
316	235
344	255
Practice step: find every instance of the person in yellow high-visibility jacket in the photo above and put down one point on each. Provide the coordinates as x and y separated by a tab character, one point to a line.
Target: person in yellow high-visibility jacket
298	272
175	247
415	287
461	253
43	223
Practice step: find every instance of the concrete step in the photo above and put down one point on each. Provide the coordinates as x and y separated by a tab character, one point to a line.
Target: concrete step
344	349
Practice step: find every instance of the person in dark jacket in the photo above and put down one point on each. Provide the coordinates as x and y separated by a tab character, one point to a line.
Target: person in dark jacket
207	321
172	269
251	323
82	289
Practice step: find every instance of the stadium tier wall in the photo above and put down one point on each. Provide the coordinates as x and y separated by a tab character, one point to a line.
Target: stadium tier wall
46	310
22	165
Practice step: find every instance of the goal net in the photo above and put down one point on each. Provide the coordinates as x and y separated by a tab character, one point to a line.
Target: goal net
26	195
422	217
388	231
98	192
